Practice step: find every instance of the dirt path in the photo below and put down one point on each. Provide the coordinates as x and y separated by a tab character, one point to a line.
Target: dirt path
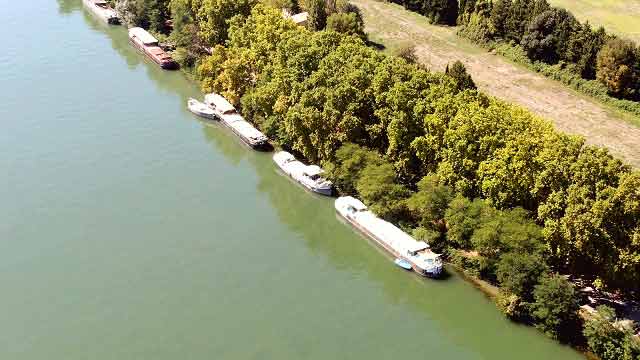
392	26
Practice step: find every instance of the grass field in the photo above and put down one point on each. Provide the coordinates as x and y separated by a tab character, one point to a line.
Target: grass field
620	17
392	26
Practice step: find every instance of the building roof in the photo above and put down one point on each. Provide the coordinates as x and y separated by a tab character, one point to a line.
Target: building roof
143	35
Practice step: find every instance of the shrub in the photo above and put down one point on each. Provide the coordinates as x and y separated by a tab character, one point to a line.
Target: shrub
555	305
518	272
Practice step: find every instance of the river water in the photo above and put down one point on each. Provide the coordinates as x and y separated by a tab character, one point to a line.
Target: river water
129	229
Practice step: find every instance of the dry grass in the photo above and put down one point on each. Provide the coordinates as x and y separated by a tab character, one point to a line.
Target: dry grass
621	17
394	27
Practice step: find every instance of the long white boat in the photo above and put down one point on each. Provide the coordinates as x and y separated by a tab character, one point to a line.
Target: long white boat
101	9
230	117
309	176
423	261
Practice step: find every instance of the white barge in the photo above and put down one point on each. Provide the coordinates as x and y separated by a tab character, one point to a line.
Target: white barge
230	117
102	10
309	176
423	261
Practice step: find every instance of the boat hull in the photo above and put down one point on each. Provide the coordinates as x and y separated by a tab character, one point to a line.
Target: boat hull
171	65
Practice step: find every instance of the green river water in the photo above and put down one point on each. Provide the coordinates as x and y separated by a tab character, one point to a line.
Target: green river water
129	229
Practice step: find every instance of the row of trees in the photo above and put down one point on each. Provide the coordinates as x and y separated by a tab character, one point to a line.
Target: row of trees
546	34
457	168
553	35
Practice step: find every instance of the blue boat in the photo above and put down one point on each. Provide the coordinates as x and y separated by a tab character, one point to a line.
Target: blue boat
403	264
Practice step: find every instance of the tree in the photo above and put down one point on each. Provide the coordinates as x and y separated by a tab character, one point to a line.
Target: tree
317	14
378	189
346	23
519	272
555	305
408	53
462	218
429	203
547	35
441	11
499	14
212	17
617	68
459	73
350	161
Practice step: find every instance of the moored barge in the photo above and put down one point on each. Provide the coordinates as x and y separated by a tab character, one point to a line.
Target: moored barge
148	45
230	117
395	241
102	10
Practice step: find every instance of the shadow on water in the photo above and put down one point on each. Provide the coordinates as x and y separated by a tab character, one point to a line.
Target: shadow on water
66	7
456	308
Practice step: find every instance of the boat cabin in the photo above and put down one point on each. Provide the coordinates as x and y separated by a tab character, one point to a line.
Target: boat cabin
219	103
313	172
143	36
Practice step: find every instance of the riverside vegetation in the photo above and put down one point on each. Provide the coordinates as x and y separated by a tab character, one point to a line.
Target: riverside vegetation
508	198
548	40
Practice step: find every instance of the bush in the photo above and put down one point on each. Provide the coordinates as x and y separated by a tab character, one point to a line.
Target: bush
519	272
346	23
555	305
607	341
470	265
511	305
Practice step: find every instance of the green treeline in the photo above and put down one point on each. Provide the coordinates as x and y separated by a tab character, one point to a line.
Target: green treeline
549	40
502	193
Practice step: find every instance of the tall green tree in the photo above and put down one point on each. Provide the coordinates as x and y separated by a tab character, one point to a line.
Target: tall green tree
555	305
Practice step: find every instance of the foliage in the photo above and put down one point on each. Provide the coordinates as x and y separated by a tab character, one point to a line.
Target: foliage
553	36
606	340
348	23
407	53
511	305
438	11
212	17
429	203
378	189
317	14
350	161
518	272
150	14
555	305
619	68
563	73
459	74
469	264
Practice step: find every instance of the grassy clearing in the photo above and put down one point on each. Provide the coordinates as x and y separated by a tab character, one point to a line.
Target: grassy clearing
621	17
436	46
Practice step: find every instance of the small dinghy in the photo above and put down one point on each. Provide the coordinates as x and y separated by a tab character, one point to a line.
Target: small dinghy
403	264
200	109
